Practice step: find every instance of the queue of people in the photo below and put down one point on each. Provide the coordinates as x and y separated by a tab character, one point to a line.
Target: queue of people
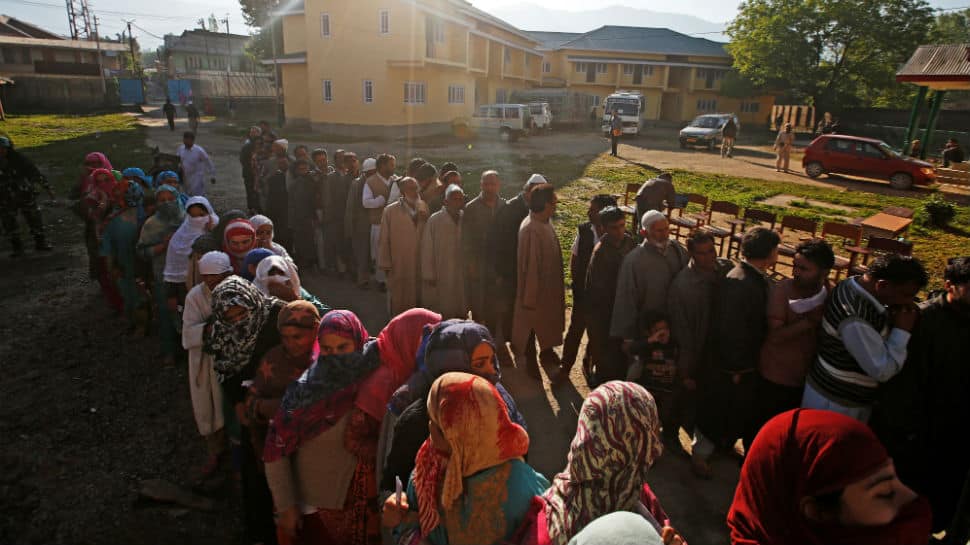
410	437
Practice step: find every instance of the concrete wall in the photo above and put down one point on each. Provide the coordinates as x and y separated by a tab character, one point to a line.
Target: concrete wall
54	94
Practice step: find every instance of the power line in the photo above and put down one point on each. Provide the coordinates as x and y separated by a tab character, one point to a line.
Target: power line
106	11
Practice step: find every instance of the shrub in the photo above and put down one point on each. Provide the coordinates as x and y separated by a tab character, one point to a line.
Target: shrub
937	211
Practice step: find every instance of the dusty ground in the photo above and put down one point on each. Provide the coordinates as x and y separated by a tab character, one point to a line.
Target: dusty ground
89	412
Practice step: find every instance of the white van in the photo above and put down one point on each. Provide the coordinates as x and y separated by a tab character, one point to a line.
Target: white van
507	121
541	115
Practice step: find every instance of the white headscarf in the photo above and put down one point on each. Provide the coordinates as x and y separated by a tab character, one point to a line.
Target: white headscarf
260	220
215	262
263	278
180	246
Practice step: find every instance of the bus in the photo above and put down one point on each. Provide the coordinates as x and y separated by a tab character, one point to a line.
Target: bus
630	106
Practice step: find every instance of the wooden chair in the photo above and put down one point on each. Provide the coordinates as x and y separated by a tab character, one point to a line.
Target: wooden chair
688	223
752	218
797	224
859	262
626	207
851	236
721	207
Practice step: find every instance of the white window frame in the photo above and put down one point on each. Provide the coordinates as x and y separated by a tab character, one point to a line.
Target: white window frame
456	94
367	91
328	90
325	29
546	67
580	67
602	68
415	93
627	69
383	22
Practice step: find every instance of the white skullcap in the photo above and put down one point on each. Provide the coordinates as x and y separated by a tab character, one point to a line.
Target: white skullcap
369	164
453	188
536	179
651	217
260	220
214	263
283	142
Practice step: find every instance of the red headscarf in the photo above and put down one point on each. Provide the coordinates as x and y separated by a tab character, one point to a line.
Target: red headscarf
235	228
398	343
807	452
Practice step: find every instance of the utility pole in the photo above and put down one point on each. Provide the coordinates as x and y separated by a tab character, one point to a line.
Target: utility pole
97	40
131	46
276	78
228	68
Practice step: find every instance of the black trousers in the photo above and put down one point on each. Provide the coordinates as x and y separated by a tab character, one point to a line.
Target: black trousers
26	205
770	400
256	497
171	122
574	336
725	405
614	140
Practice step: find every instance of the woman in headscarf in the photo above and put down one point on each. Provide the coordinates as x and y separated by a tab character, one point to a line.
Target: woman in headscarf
238	238
244	328
92	162
118	238
170	177
264	235
137	175
204	386
817	477
209	242
253	259
199	219
153	246
278	277
617	440
454	345
622	528
319	450
470	485
98	204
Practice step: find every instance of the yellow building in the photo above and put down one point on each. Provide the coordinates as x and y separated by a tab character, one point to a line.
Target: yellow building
678	75
394	67
411	67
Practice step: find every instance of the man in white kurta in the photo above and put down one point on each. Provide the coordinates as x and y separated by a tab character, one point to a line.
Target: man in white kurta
442	261
196	166
398	247
379	191
204	387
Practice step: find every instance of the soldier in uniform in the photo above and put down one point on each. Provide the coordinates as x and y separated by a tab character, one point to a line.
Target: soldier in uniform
18	176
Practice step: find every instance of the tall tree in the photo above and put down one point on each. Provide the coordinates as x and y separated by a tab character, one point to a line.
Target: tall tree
828	52
951	28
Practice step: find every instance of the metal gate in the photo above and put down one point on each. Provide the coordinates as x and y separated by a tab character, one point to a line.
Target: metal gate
180	90
131	90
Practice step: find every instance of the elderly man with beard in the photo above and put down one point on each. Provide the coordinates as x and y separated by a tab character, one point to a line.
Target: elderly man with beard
795	308
401	227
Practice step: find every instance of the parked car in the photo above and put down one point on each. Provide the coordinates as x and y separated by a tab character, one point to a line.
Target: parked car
866	157
507	121
541	115
705	130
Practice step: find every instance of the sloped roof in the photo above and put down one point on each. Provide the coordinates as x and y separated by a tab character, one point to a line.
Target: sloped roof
552	40
937	63
645	40
11	26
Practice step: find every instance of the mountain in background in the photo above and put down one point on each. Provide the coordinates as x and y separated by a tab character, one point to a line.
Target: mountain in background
533	17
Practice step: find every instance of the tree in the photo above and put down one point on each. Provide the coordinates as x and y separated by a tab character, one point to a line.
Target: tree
828	52
951	28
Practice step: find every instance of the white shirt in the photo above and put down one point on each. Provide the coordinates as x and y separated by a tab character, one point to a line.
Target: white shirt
196	164
372	201
881	358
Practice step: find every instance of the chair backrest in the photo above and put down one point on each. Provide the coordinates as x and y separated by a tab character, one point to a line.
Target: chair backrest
697	198
844	230
890	246
725	207
798	224
761	216
679	204
630	188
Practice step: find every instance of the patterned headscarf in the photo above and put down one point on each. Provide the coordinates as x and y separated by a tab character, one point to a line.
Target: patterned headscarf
300	314
449	348
346	324
231	343
325	392
398	343
474	421
617	439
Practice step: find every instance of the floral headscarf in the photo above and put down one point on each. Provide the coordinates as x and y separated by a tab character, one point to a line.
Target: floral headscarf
474	421
300	314
398	344
617	439
324	393
231	343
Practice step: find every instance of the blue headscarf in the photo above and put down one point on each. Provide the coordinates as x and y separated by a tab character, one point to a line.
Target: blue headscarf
253	258
169	174
135	198
137	174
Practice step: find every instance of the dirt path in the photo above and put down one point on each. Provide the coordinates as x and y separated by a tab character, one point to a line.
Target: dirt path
89	412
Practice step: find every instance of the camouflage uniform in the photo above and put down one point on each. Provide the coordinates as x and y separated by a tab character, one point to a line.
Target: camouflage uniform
18	178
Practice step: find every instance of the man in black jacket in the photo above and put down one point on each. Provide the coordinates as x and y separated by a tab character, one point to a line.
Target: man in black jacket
18	176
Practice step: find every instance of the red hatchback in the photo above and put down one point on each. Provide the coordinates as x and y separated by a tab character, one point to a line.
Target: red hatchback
868	157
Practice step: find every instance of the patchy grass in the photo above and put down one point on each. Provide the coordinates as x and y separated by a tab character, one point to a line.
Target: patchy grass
58	143
610	175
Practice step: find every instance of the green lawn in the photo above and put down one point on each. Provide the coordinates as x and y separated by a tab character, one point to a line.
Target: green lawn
58	143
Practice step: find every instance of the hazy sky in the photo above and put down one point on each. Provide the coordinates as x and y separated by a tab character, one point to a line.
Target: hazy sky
173	16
